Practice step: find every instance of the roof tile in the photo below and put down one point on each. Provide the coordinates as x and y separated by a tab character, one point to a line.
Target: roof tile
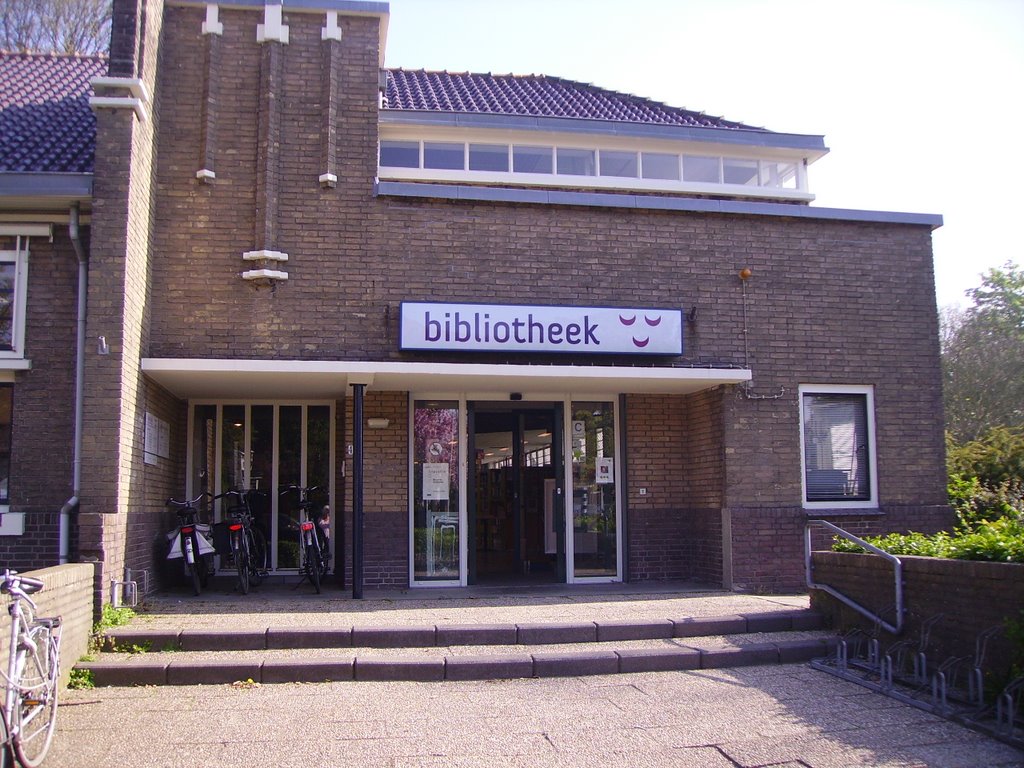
533	95
46	124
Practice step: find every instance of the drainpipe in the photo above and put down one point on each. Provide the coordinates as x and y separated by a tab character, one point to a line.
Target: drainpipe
83	273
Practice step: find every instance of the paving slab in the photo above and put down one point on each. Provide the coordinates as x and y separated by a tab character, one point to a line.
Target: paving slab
693	626
222	639
282	606
488	667
658	659
476	634
572	664
628	629
751	716
307	671
419	670
211	672
309	637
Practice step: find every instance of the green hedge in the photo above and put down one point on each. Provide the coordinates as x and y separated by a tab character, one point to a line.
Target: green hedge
999	541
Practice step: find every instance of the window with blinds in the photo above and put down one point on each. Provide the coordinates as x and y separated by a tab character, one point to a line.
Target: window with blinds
837	445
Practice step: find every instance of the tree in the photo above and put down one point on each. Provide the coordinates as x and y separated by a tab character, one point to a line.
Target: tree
983	357
57	26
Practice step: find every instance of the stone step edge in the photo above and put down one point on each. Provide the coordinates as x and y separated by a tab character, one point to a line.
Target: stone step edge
565	664
443	635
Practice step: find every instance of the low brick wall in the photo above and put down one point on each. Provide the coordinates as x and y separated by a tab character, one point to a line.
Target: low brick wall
68	593
972	596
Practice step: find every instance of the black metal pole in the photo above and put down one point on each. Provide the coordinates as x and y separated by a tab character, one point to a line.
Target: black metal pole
357	493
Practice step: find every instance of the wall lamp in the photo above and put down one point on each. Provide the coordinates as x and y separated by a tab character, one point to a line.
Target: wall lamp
378	423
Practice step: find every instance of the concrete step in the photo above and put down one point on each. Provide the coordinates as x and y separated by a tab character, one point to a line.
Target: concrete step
456	652
440	635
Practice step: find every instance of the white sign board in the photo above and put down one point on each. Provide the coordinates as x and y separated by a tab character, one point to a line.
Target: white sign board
435	482
514	328
157	440
605	471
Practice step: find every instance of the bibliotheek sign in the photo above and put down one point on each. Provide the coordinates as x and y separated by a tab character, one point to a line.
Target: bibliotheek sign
513	328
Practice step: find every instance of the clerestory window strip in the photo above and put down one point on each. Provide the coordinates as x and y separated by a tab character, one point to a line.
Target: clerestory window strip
574	161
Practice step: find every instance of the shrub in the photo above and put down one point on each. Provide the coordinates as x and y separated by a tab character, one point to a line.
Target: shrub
998	541
976	503
995	458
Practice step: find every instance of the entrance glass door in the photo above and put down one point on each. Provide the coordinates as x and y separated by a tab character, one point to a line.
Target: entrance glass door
515	482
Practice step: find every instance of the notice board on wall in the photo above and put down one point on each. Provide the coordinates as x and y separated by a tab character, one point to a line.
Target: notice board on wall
158	439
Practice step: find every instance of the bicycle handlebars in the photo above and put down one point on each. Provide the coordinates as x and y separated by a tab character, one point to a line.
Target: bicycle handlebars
300	489
13	581
178	504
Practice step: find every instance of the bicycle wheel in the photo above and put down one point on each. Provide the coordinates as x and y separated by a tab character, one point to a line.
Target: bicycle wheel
313	565
6	751
188	541
205	567
242	562
257	556
35	714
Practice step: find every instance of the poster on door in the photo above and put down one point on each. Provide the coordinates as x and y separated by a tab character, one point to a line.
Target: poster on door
435	482
605	471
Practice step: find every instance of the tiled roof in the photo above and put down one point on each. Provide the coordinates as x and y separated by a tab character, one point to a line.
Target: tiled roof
46	125
536	95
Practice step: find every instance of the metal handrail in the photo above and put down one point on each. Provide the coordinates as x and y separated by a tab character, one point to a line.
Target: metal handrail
897	567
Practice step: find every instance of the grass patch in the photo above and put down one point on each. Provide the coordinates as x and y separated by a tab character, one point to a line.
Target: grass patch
81	679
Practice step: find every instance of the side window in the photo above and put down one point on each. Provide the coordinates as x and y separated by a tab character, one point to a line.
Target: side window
13	274
6	407
837	436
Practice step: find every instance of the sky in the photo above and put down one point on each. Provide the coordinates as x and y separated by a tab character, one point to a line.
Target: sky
921	102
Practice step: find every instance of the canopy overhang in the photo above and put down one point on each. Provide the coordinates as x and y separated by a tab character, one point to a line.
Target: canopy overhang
323	379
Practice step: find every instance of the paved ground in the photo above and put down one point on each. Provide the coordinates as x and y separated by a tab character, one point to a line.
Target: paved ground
782	716
285	606
789	716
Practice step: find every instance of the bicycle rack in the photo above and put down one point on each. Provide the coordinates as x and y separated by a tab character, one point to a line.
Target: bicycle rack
865	646
895	665
126	592
956	684
947	682
1008	706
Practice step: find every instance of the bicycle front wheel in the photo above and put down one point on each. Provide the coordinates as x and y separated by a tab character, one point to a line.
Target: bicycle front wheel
190	548
6	751
242	563
257	556
313	565
35	713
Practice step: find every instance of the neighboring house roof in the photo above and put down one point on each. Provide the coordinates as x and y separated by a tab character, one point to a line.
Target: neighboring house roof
533	95
46	124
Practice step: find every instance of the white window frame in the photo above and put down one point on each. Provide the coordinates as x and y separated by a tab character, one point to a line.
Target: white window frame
19	257
336	474
463	579
558	141
841	389
11	523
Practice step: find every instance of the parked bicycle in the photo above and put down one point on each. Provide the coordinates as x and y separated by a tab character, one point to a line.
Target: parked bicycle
190	541
243	541
33	674
314	549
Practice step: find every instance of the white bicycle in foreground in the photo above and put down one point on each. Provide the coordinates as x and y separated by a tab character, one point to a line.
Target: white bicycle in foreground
32	677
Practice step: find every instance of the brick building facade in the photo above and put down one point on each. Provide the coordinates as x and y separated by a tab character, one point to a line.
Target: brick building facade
256	258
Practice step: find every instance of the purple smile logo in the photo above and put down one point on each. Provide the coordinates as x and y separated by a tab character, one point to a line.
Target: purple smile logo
652	322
